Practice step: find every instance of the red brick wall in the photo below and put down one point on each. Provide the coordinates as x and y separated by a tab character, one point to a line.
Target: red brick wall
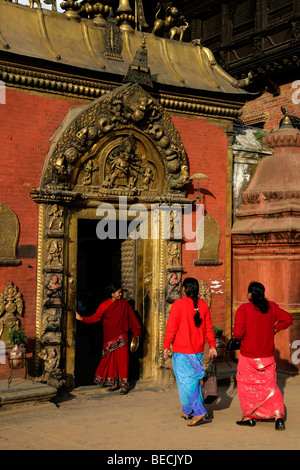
27	123
289	98
206	147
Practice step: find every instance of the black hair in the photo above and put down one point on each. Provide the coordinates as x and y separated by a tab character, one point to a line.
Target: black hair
191	287
257	291
112	288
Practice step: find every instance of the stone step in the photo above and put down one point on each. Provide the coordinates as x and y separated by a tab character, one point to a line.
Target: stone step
21	391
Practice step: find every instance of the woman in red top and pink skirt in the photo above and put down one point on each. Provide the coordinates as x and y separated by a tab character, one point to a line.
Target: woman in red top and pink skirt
255	324
118	318
188	328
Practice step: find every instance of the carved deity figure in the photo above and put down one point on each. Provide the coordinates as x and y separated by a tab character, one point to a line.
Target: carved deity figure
11	306
204	292
55	217
53	285
54	248
123	165
148	177
89	169
51	374
173	286
173	254
52	320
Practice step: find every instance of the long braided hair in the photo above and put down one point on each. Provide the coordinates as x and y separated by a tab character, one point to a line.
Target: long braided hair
257	291
191	287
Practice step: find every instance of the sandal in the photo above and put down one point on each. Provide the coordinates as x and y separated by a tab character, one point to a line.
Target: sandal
184	416
200	421
113	389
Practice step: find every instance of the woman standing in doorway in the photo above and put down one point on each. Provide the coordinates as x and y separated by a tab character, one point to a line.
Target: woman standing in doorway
189	326
118	318
256	323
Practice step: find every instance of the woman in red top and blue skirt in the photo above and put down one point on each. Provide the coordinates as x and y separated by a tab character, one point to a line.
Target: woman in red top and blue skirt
256	322
188	328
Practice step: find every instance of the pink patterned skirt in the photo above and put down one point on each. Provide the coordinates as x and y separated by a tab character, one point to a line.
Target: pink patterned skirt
257	389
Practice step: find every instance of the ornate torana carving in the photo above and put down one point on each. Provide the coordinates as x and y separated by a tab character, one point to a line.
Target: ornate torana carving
122	140
11	308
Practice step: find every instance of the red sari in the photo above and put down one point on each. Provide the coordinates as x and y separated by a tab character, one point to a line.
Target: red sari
257	389
118	318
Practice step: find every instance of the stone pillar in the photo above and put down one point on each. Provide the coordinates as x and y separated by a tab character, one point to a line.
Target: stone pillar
266	236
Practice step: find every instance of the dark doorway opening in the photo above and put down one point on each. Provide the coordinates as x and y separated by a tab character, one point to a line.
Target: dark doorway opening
99	263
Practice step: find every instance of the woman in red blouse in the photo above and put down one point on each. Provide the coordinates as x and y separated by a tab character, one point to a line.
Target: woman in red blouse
118	318
188	328
256	323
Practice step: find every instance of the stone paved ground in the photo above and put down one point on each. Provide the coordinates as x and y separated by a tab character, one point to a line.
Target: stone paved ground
148	418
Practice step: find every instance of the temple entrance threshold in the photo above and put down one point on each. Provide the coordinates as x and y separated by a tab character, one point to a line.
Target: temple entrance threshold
99	263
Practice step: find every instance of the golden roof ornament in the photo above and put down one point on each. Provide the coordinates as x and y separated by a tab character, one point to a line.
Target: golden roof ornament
113	38
140	19
139	71
125	16
288	120
71	8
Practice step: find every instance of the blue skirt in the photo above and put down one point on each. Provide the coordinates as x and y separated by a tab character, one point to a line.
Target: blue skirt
188	370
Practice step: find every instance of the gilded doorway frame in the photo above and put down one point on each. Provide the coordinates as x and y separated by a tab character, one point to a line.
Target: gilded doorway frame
55	342
123	144
150	297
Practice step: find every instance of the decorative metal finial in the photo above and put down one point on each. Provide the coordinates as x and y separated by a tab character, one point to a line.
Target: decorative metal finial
125	15
198	177
139	71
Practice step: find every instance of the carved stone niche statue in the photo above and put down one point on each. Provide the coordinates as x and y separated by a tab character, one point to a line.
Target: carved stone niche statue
11	307
173	288
53	290
174	256
205	292
51	320
9	236
55	219
208	255
52	374
54	253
